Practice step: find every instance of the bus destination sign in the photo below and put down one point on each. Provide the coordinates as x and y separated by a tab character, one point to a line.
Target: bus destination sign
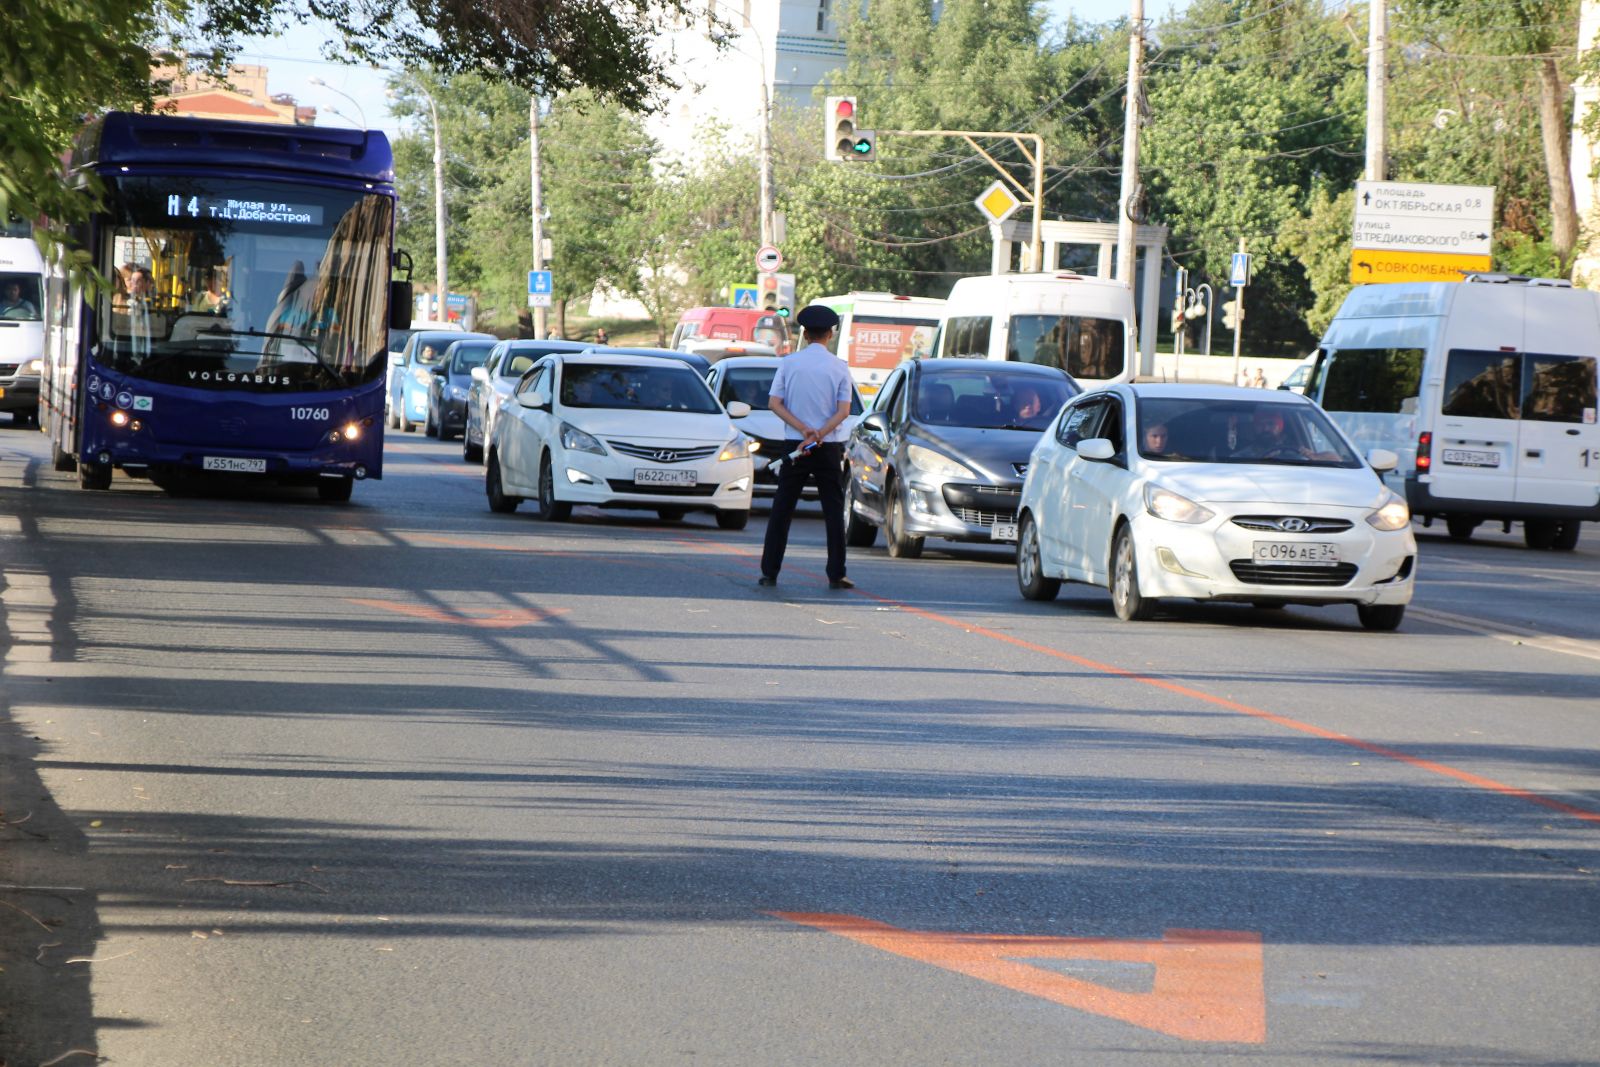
227	209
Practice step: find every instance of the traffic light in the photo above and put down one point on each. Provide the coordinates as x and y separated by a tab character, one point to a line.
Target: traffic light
1230	314
842	142
770	299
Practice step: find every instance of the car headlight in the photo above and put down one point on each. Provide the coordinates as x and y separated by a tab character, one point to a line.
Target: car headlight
575	440
936	463
1165	504
457	393
738	448
35	366
1393	514
421	376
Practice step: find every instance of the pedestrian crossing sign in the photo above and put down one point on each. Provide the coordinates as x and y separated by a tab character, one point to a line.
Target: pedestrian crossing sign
744	296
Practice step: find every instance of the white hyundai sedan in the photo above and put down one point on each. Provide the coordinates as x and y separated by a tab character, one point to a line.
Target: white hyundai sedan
619	431
1212	493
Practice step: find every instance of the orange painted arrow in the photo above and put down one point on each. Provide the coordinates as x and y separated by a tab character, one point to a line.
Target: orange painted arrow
1208	984
501	619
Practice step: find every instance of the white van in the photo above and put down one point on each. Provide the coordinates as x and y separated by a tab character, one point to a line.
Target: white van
21	328
877	331
1485	388
1084	326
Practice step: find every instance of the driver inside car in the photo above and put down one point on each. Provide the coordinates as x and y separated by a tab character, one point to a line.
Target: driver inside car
1268	438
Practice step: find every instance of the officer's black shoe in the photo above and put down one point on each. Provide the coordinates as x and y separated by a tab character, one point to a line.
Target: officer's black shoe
764	580
841	583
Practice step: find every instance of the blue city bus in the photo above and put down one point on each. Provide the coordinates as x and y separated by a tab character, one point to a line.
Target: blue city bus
243	330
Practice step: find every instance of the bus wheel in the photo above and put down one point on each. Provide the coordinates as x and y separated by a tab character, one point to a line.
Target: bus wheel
94	476
335	490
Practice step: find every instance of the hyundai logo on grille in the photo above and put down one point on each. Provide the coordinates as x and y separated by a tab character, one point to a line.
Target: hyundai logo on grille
1021	469
1293	525
666	455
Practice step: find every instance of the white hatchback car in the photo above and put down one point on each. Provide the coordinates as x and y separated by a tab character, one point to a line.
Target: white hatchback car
1212	493
619	431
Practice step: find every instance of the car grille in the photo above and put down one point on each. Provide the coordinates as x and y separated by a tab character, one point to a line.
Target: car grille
974	517
1281	574
8	369
623	485
1021	469
983	505
1274	523
664	453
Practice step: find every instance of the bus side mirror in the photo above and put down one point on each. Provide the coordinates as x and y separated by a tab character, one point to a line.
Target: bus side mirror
400	301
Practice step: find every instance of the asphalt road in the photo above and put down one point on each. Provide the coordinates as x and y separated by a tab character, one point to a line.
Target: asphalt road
406	782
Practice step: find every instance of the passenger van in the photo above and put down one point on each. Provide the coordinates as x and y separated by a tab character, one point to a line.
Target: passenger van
1084	326
731	324
1485	388
21	327
879	330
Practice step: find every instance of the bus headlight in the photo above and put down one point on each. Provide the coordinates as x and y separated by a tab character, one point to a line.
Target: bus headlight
119	418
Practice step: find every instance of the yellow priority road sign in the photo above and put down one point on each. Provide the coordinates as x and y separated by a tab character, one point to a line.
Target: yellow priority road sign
1372	265
998	203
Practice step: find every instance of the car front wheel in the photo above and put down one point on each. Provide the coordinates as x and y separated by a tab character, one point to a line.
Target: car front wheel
550	509
1030	570
1125	598
733	520
858	532
1381	616
499	501
901	544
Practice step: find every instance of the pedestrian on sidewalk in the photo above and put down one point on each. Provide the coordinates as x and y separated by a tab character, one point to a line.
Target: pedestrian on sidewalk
811	394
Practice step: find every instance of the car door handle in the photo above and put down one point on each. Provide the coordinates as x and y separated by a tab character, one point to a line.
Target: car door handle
1572	433
1534	453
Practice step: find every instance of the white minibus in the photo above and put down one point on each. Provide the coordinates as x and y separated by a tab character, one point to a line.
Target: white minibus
879	330
1084	326
1486	389
21	327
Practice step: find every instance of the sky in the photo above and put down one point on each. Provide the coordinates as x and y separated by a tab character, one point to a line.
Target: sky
293	60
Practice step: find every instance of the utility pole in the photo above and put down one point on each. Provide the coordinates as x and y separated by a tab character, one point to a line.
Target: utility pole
1377	92
440	263
539	321
1127	228
766	155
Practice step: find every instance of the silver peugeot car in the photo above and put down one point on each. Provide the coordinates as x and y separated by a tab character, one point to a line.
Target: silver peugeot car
944	450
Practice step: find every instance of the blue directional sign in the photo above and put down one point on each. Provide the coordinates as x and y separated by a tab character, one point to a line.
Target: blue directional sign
745	296
539	282
1239	277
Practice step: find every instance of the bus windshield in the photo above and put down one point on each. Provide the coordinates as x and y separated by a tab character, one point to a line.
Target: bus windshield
243	284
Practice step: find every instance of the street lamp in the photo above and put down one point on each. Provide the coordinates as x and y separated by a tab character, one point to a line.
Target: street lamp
317	81
439	259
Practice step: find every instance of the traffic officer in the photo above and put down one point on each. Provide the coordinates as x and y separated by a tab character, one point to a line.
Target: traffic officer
811	394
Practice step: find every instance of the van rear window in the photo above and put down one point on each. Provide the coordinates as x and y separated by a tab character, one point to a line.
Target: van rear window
1482	385
1559	389
1378	380
1083	347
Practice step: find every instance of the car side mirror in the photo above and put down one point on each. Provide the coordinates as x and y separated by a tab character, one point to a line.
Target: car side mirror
400	301
534	400
1098	449
738	409
480	374
876	422
1381	459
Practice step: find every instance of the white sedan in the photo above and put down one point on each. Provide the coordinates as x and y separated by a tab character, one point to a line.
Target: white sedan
1212	493
748	380
620	431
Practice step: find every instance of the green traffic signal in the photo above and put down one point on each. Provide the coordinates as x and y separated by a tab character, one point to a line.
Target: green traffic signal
783	313
861	146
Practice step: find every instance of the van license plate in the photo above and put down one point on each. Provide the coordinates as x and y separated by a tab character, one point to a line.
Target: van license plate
1467	457
1296	553
1003	531
234	464
656	476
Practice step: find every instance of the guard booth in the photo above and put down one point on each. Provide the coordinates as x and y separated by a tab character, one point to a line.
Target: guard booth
1090	249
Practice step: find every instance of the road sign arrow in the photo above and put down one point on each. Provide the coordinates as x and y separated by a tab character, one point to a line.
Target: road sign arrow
1366	198
1364	265
1207	986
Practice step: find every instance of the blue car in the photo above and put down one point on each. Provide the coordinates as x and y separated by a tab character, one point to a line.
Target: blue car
447	393
407	402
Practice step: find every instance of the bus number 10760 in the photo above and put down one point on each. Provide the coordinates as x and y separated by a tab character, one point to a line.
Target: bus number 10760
317	414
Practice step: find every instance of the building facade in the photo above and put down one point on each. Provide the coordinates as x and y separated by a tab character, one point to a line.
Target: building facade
244	97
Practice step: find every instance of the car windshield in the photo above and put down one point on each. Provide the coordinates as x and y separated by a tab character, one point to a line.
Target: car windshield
1195	430
1002	398
468	356
430	350
635	386
19	297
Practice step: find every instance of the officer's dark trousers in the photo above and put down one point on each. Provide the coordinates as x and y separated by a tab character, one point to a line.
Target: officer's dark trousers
823	465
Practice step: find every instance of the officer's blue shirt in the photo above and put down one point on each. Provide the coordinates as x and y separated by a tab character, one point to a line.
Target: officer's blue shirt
812	383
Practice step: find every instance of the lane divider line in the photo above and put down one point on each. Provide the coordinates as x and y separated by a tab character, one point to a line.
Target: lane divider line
1516	635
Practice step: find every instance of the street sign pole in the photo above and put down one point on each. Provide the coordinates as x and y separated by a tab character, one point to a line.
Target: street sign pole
1238	321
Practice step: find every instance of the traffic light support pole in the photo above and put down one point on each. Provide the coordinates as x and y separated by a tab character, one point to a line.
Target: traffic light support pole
1238	321
1033	196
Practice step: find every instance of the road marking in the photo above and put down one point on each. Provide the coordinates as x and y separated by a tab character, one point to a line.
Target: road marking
497	619
1516	635
1208	983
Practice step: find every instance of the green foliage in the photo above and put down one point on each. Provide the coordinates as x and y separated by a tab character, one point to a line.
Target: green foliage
1321	242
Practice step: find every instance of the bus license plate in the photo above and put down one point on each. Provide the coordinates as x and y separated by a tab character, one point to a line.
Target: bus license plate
1003	531
1466	457
656	476
234	464
1297	553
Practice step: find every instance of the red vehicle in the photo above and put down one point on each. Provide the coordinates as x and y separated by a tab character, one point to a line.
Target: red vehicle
732	324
